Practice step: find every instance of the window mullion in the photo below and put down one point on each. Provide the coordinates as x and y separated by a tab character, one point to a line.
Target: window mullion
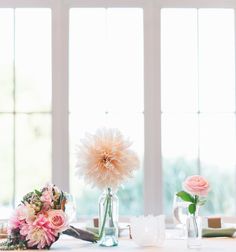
60	136
14	113
198	99
235	101
152	107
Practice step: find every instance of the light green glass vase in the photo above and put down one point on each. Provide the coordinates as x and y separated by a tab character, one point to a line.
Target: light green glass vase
108	219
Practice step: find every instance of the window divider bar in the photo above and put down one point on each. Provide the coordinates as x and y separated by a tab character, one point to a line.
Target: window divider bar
198	98
196	4
152	111
105	3
14	109
235	99
26	3
60	127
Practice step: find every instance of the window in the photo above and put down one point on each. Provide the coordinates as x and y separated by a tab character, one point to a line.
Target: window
198	102
106	78
25	102
163	72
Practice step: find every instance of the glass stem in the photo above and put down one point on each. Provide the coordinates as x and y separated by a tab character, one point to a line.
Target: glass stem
108	203
111	224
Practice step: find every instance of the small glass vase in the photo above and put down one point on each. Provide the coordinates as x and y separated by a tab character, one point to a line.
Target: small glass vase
108	219
194	231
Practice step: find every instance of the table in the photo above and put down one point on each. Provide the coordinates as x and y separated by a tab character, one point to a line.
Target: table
69	244
209	244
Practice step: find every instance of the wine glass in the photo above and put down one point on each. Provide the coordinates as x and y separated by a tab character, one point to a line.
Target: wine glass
180	214
70	207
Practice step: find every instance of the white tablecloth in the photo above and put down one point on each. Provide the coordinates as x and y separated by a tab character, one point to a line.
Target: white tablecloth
126	245
69	244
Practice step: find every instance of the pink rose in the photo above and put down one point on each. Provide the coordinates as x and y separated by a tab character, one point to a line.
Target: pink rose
196	185
58	220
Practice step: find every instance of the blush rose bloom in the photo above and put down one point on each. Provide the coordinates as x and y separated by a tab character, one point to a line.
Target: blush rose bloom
58	220
196	185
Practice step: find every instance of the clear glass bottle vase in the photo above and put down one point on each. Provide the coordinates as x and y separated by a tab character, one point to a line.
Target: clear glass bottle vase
108	219
194	231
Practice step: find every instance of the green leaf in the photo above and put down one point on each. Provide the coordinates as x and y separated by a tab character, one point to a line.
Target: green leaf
38	192
192	208
185	196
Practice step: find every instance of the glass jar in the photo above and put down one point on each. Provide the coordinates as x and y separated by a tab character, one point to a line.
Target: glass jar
108	219
194	231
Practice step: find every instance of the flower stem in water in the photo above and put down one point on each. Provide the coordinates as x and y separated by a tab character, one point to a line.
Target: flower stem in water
108	203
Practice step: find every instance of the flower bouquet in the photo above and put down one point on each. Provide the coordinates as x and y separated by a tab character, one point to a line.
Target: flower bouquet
39	220
105	160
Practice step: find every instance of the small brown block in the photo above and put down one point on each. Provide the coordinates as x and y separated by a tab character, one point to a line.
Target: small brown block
214	222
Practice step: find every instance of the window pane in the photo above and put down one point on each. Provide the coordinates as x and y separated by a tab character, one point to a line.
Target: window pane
179	59
125	60
179	152
216	60
25	74
217	153
106	59
33	59
87	63
33	152
213	138
106	90
6	59
6	164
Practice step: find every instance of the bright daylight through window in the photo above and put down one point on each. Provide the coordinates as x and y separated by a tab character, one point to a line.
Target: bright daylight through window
106	89
198	102
165	77
25	102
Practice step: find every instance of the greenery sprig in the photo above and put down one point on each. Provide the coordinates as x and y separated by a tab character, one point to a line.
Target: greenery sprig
193	200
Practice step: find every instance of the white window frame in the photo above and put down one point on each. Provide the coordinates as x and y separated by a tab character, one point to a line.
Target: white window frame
153	182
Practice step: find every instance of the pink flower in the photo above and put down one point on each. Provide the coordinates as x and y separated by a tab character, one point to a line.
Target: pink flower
14	223
40	234
46	197
21	214
196	185
25	229
58	220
